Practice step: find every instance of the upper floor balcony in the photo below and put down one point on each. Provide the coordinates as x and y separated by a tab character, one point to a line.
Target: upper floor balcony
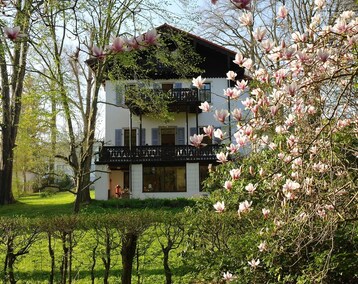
152	154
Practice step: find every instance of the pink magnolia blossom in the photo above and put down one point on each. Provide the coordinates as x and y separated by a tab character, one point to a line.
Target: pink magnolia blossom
98	52
232	148
239	59
302	217
311	109
323	54
151	37
250	188
274	109
209	131
272	146
221	157
254	263
13	33
135	43
232	93
221	115
241	140
235	173
251	170
241	85
261	172
244	207
196	140
228	185
198	82
298	37
262	246
259	34
248	103
261	75
282	12
237	114
219	134
118	45
320	4
287	159
205	107
289	189
266	212
267	45
321	213
291	89
242	4
329	207
231	75
289	53
247	130
320	167
227	276
219	207
247	63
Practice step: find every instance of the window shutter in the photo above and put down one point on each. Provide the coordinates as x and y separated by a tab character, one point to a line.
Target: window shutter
177	86
143	136
192	131
180	137
155	136
118	137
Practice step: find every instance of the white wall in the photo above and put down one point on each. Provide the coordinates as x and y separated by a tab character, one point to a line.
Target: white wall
192	184
102	183
119	117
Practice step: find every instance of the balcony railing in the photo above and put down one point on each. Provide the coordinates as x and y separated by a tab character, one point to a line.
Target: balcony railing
186	95
145	154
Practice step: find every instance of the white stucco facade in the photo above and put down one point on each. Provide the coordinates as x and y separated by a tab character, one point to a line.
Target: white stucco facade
152	158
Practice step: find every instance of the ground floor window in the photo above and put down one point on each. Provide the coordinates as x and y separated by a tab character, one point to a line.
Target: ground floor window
164	179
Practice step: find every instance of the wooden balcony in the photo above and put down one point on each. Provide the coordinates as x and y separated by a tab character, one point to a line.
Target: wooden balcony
155	154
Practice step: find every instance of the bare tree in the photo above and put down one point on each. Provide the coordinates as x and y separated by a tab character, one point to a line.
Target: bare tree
14	46
223	25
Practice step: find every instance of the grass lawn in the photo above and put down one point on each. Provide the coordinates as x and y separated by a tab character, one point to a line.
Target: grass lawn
34	267
61	203
34	205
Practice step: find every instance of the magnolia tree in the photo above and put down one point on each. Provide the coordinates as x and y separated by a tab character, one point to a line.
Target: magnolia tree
298	184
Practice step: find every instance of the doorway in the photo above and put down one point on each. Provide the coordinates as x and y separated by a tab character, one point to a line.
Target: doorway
167	136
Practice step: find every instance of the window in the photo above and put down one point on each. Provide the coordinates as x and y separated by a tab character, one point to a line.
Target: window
133	137
164	179
118	137
205	93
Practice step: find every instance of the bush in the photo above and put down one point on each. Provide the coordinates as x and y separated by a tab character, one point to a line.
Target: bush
48	191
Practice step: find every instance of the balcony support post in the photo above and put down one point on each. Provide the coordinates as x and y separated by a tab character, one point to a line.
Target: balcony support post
187	124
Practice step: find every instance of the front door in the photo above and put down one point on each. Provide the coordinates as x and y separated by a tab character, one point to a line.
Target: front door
167	136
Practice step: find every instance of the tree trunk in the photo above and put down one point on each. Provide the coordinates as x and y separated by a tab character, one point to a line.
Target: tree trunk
129	246
6	167
52	255
11	92
6	196
167	271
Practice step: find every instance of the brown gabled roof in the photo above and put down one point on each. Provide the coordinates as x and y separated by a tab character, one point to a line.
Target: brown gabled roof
201	40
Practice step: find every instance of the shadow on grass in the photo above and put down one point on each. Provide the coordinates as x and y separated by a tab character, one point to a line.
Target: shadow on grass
35	210
43	276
